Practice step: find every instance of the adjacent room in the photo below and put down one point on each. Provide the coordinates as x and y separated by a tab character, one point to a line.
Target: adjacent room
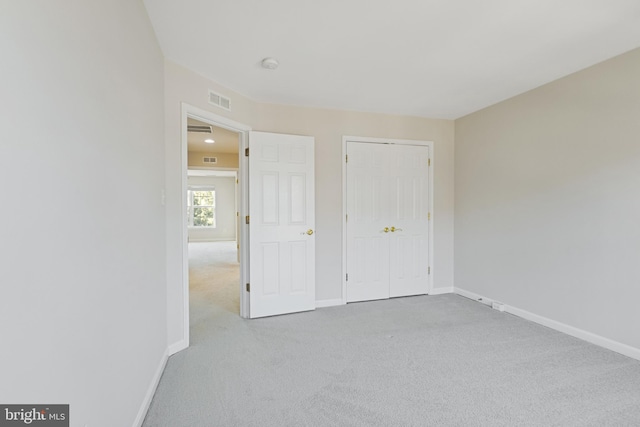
212	223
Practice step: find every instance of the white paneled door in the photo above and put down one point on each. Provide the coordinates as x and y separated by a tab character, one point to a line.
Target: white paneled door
281	224
388	220
369	213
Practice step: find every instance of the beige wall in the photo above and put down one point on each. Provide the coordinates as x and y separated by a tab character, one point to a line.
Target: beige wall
182	85
328	127
548	200
225	160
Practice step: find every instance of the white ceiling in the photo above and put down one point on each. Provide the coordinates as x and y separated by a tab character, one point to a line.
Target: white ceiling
430	58
226	141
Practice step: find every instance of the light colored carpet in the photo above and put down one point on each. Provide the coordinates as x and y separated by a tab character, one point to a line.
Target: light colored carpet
421	361
214	275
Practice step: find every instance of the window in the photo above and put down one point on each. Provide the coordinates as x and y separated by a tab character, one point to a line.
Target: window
201	207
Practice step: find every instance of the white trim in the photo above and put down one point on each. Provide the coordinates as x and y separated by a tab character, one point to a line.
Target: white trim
243	237
211	168
441	291
472	295
344	219
213	239
592	338
202	187
329	302
220	121
242	129
386	140
372	140
176	347
146	402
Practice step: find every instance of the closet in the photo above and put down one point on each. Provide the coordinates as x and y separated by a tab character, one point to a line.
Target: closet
387	220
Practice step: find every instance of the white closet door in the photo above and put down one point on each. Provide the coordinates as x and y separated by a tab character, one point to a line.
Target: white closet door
409	246
282	224
388	223
368	213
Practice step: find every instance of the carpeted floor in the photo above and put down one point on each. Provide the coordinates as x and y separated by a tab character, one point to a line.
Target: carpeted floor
214	277
420	361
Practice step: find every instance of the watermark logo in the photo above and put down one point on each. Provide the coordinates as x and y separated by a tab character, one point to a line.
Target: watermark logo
34	415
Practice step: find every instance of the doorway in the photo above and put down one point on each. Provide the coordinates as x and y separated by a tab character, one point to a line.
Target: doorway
241	234
212	224
388	193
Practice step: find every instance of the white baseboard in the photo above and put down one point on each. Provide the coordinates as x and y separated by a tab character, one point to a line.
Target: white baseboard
176	347
441	291
598	340
142	412
214	239
473	296
329	302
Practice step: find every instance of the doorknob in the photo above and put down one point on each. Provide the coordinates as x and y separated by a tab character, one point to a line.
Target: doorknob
309	232
393	229
386	229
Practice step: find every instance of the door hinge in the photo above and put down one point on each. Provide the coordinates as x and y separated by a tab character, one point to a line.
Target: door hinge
429	270
346	158
248	287
246	152
347	277
246	219
429	216
429	162
346	217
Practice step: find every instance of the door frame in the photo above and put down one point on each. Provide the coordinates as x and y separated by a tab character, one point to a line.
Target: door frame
243	203
394	141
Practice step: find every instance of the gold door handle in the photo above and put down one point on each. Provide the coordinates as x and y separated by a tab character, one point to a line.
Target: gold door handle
393	229
386	229
309	232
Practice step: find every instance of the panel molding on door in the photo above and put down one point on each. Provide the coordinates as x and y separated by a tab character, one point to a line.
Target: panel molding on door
367	241
387	231
409	253
282	211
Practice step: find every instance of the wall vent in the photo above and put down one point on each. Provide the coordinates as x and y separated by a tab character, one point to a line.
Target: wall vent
219	100
210	160
199	129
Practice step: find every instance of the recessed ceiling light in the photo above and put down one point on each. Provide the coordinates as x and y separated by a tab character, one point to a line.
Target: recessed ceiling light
209	141
270	63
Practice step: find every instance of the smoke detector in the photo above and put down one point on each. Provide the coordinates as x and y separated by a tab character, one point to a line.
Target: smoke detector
270	63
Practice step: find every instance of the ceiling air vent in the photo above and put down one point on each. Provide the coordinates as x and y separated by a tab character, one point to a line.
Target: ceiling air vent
219	100
210	160
200	129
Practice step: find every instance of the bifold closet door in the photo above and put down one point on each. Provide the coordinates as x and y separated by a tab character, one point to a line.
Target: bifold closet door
387	222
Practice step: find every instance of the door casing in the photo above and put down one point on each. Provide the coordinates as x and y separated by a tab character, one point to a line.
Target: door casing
372	140
243	205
